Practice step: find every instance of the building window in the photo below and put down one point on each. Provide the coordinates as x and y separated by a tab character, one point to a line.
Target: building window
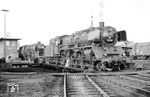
13	43
7	43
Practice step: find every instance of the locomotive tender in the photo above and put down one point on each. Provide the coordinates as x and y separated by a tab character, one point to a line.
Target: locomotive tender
93	48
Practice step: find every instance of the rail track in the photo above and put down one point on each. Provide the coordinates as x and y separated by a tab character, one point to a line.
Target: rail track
134	80
83	85
115	88
144	77
31	68
26	67
135	85
90	85
80	85
104	86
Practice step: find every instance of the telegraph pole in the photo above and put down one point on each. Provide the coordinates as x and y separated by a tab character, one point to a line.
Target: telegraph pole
4	10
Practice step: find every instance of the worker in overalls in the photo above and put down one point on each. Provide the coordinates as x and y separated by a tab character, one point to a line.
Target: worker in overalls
67	64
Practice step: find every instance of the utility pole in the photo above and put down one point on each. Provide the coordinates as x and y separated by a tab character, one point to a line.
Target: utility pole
4	10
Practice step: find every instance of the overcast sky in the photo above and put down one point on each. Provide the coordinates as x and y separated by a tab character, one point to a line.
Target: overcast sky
41	20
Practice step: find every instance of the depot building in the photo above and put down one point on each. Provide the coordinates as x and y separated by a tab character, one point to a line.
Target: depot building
8	48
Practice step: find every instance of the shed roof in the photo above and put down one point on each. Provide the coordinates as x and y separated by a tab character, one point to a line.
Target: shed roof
10	39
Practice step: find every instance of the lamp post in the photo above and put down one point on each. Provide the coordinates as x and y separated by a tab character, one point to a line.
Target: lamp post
91	21
4	10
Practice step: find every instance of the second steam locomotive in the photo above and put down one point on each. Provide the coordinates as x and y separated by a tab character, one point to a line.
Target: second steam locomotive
93	48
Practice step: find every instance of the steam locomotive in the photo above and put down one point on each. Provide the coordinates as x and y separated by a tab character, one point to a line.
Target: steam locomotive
93	48
31	52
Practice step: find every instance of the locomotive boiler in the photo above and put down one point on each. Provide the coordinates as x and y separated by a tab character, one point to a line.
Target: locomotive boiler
93	48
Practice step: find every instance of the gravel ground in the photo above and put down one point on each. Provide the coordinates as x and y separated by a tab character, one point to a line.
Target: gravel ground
40	85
